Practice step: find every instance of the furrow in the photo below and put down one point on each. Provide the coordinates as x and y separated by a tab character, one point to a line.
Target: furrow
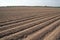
29	30
22	27
19	23
16	21
38	35
54	35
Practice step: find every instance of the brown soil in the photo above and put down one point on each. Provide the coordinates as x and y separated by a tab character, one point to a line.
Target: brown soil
29	23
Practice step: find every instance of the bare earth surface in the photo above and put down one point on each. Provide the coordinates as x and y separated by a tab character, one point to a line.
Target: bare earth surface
29	23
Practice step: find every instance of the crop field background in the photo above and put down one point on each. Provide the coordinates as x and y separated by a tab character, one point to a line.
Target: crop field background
29	23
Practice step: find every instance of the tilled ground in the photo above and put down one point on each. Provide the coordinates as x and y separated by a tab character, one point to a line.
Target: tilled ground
36	27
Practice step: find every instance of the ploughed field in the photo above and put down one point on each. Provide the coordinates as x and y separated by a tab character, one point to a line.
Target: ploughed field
29	24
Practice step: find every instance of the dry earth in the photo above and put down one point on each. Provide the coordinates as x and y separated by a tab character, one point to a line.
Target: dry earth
29	23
